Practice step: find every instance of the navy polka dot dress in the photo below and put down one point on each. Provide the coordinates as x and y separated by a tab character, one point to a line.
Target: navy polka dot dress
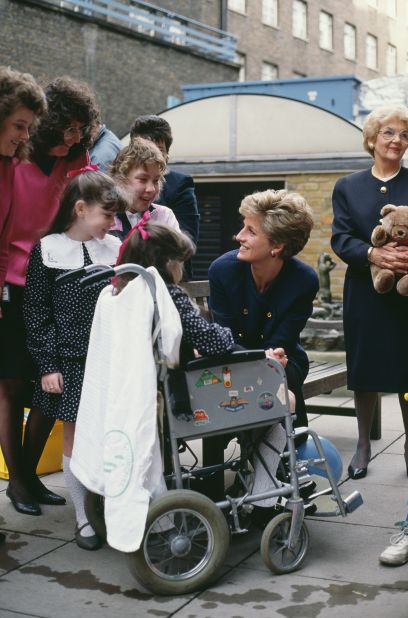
58	321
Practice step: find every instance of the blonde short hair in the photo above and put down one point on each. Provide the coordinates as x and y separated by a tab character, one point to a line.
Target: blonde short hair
139	153
377	118
285	216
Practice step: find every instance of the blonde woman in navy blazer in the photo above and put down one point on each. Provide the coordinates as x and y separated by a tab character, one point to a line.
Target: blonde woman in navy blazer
261	291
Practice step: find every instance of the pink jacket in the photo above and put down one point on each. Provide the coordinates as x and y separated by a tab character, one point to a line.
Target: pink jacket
7	167
35	200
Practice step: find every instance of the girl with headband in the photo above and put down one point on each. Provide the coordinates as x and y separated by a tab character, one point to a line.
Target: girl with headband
58	318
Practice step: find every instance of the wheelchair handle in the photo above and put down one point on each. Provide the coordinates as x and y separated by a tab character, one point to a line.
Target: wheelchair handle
79	272
100	275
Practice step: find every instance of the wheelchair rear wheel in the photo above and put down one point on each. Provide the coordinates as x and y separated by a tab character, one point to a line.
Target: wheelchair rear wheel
184	546
95	512
275	551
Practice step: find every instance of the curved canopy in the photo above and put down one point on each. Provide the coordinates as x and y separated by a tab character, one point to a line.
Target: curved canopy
259	127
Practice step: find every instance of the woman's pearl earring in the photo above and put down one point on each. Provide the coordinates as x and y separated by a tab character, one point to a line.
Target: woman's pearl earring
273	253
371	146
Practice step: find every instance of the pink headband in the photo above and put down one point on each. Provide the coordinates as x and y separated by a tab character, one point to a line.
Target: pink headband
81	170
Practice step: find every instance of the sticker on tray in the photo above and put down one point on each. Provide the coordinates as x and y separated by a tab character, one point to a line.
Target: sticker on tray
281	394
266	401
233	393
259	381
248	389
234	404
201	417
226	377
207	378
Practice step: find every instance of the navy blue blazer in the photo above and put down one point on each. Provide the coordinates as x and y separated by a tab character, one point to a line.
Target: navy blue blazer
265	320
179	195
375	325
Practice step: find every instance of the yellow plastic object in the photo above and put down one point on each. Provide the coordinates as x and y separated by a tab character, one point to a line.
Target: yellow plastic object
406	396
51	459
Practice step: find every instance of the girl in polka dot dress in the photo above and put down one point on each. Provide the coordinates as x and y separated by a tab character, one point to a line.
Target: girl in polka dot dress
58	318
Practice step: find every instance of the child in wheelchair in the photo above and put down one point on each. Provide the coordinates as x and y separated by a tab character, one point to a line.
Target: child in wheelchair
155	244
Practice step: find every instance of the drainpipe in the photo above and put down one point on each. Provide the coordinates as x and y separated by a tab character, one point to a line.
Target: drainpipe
223	15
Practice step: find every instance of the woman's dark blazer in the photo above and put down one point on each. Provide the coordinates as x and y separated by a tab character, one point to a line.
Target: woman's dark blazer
270	319
375	325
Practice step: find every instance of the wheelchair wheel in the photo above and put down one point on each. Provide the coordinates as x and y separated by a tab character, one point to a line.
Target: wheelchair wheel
95	512
275	552
184	546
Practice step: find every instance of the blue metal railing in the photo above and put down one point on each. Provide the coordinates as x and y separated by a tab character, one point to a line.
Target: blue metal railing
151	20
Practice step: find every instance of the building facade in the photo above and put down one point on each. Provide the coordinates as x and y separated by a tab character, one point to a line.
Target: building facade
303	38
135	55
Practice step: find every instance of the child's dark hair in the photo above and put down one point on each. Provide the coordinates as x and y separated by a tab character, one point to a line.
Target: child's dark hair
163	245
91	187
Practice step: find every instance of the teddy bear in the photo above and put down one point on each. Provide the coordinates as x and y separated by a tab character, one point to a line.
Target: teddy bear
393	226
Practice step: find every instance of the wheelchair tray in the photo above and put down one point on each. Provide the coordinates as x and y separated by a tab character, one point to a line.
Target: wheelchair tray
231	397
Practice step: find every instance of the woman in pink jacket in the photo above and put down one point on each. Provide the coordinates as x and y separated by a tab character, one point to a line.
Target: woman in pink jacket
59	145
22	103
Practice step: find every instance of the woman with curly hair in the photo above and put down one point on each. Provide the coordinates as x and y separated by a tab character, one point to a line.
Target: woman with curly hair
22	103
59	145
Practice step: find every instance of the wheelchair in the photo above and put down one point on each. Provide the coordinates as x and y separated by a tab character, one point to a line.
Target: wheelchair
187	534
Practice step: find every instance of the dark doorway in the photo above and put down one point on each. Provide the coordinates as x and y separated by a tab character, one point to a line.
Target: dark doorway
218	203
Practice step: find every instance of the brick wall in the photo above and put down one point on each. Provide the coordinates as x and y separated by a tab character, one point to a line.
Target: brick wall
317	190
130	75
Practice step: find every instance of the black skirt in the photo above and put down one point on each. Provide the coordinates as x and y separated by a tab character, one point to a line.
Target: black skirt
63	406
15	360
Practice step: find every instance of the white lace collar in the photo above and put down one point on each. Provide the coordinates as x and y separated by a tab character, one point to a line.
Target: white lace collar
61	252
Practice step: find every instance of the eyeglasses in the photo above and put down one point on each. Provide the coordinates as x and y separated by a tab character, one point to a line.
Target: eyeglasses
73	131
389	134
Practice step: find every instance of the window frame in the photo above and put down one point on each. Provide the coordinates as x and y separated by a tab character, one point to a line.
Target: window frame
298	35
330	31
371	37
354	30
274	8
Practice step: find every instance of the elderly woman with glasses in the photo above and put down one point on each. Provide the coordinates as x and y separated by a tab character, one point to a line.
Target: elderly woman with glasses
375	325
59	145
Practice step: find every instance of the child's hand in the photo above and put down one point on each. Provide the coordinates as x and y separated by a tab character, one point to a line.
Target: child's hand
278	354
52	383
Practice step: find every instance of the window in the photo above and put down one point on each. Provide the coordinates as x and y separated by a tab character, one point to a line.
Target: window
371	51
239	6
269	71
270	14
391	60
325	30
241	60
350	42
299	23
392	8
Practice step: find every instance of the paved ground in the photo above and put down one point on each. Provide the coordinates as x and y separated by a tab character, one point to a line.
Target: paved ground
43	573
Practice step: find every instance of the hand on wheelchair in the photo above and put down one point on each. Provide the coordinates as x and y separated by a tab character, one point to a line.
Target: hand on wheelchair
278	354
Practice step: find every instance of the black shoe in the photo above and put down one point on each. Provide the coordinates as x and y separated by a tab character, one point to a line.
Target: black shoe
2	537
307	489
310	508
87	542
356	473
262	515
45	496
27	508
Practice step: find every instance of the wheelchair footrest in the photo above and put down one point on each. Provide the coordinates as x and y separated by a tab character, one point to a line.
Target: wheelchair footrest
327	505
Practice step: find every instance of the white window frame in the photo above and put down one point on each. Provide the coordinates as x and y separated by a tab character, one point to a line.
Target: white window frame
240	59
326	30
350	41
392	8
238	6
270	13
299	19
271	68
391	60
371	44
